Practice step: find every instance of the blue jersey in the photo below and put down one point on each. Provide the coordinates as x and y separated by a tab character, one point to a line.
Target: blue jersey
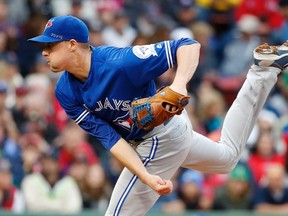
101	104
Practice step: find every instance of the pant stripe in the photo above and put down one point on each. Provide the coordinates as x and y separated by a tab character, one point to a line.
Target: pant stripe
134	177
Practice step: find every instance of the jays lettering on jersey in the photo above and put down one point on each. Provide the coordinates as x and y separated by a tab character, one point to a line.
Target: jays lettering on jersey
101	104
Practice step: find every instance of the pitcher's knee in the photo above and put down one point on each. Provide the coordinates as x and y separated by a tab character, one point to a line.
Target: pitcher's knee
228	167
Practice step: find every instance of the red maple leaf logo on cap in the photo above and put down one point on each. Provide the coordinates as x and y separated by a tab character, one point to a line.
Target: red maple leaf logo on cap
49	23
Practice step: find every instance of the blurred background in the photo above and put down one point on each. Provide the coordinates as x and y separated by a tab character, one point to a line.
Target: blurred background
49	165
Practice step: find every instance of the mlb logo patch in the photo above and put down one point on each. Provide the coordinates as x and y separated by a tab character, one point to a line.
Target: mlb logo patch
49	23
144	51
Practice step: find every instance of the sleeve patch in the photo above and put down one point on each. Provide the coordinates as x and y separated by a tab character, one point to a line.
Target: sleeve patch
144	51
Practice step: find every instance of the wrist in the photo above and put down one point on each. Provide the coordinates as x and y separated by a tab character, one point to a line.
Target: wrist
145	177
179	88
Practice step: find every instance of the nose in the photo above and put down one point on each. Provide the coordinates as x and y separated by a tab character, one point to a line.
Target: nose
45	52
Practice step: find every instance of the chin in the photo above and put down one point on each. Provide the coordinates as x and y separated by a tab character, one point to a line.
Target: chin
55	70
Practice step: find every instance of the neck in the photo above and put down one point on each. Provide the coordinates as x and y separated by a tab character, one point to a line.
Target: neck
81	65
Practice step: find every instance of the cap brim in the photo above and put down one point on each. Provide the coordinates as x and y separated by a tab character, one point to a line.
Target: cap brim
44	39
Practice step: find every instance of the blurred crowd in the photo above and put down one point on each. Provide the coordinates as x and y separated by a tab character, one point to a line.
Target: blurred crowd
47	163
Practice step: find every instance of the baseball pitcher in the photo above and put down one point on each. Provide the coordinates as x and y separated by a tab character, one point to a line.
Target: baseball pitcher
110	92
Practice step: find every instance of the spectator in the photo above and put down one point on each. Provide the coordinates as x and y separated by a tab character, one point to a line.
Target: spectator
219	14
113	169
190	184
217	11
185	13
211	183
96	37
5	113
203	33
237	192
18	108
43	7
107	10
191	109
75	148
263	156
278	102
170	203
7	26
280	35
54	193
93	183
9	148
9	62
97	188
140	39
211	107
18	11
266	10
119	33
237	57
181	32
11	198
272	196
267	121
237	54
27	54
32	146
38	110
85	9
78	171
41	68
58	115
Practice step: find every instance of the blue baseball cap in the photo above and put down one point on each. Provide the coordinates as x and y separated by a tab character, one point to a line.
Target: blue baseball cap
63	28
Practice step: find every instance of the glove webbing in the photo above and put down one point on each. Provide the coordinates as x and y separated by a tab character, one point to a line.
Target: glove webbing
148	118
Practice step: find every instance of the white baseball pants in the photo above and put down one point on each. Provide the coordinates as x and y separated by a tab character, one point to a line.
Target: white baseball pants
168	147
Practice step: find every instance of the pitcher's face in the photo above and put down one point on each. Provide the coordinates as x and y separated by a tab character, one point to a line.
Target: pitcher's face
57	55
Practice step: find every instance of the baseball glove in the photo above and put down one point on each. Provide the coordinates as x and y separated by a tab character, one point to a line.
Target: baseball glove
150	112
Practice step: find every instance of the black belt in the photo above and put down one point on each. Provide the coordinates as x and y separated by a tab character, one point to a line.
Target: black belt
137	142
166	122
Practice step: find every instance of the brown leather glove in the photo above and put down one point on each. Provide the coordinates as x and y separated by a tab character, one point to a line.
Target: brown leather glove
150	112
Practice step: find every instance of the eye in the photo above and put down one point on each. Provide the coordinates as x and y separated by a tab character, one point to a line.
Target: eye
50	45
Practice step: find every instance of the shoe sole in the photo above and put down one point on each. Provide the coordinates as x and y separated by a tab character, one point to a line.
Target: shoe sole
282	53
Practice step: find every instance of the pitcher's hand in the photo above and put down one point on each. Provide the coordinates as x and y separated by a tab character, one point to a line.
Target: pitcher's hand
159	185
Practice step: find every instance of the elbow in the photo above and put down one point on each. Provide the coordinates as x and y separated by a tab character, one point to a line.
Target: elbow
196	46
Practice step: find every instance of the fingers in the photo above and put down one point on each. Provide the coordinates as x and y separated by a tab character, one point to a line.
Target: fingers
165	188
159	185
170	107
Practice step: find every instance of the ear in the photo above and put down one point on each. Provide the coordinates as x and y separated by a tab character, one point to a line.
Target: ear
73	44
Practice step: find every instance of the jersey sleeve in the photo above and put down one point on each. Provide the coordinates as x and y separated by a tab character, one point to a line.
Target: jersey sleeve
88	122
144	63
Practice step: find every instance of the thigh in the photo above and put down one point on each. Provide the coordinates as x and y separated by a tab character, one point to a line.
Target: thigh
208	156
162	154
